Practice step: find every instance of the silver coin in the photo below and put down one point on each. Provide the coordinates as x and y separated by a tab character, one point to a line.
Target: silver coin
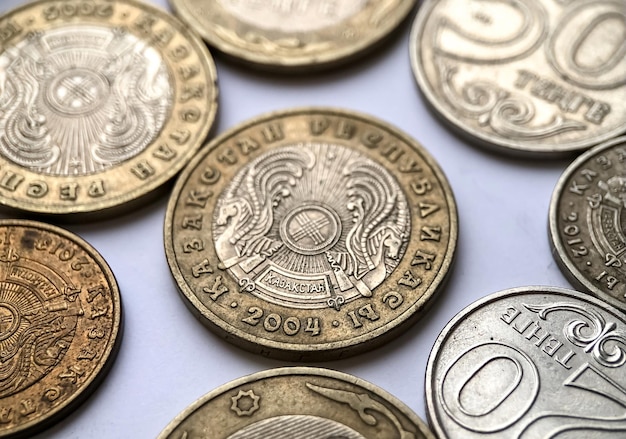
532	362
588	222
537	77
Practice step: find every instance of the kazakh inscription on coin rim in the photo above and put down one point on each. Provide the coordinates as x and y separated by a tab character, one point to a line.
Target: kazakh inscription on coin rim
236	243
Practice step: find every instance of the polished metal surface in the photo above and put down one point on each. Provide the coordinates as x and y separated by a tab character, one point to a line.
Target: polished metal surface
530	362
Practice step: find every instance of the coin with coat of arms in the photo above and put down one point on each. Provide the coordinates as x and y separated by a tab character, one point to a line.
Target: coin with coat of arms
60	324
297	402
294	35
588	222
310	233
101	102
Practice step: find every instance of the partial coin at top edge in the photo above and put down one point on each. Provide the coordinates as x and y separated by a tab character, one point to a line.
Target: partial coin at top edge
587	222
60	324
298	402
539	78
101	104
293	36
529	362
311	233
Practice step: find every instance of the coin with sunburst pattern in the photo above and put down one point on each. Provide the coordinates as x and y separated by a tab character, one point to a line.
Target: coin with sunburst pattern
101	102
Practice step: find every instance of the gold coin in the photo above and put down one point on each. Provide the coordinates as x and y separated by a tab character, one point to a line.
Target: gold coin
294	35
298	402
60	324
310	233
101	102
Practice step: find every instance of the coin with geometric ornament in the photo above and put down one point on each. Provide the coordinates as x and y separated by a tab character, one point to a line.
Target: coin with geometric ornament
101	102
60	324
310	233
298	402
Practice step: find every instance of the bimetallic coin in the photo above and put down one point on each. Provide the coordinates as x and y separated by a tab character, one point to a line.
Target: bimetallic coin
297	402
101	102
588	222
60	324
538	77
532	362
310	233
293	35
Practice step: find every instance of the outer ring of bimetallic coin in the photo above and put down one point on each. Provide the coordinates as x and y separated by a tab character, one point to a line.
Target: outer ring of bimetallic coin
266	60
98	373
432	382
183	132
309	351
459	127
559	251
296	372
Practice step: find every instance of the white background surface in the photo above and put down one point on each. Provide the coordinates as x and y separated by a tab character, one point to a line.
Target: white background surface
168	359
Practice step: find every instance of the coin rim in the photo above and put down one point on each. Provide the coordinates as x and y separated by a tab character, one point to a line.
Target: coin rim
430	385
298	371
559	252
330	350
127	200
108	358
300	64
479	137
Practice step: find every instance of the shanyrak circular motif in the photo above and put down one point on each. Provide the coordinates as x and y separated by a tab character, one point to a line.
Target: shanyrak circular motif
311	229
77	92
306	218
79	99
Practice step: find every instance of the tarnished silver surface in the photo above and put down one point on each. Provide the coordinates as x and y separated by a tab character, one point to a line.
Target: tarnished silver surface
297	403
531	362
77	99
532	76
588	222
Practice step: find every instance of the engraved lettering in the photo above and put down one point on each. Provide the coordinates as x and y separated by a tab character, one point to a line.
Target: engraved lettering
10	180
143	170
216	289
409	280
198	198
192	222
430	233
37	189
202	267
69	191
96	189
164	152
423	258
247	145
